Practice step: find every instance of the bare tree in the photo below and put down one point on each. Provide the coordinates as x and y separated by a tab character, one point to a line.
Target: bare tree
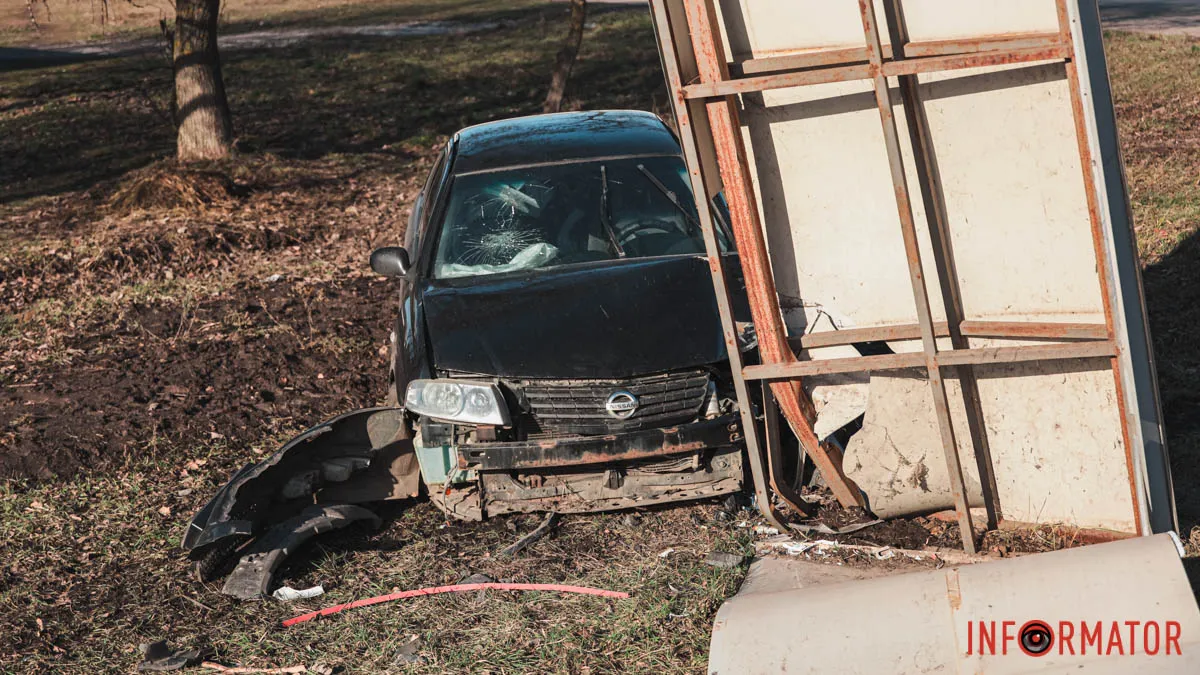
565	60
205	128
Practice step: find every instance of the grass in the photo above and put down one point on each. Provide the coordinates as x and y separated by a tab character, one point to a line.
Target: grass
95	560
336	136
1156	87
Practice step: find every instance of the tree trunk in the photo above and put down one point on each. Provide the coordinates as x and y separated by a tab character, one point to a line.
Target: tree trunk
566	57
202	112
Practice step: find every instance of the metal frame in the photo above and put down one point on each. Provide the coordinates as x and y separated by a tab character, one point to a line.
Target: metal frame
717	90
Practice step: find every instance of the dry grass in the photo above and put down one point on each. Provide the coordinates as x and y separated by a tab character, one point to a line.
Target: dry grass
92	570
100	263
168	186
1156	86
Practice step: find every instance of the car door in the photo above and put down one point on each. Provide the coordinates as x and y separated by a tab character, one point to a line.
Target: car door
409	360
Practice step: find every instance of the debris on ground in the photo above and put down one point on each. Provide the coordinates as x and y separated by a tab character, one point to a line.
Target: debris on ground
288	594
407	654
458	588
319	669
724	560
787	546
476	579
252	576
542	530
822	528
159	657
170	186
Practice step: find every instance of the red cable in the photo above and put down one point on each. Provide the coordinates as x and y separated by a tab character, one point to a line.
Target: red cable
456	588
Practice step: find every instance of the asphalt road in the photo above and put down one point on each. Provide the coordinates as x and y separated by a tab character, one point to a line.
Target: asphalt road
1180	17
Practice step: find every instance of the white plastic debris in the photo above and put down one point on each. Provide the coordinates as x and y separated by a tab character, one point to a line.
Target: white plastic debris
288	594
666	553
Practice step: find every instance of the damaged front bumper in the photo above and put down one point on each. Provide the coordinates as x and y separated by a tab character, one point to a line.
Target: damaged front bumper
628	447
585	473
312	484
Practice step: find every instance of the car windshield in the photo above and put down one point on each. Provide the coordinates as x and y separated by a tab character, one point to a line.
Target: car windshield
561	214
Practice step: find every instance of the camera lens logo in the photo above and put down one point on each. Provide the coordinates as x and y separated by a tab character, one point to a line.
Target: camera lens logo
1036	638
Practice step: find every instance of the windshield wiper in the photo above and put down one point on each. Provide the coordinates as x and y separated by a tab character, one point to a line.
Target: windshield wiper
605	216
671	196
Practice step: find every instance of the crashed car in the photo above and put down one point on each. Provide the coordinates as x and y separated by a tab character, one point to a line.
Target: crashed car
557	348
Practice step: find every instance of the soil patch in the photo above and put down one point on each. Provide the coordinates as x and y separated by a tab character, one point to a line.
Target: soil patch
230	370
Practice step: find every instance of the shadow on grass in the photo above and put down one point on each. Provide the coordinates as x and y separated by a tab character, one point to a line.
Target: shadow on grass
68	128
1173	302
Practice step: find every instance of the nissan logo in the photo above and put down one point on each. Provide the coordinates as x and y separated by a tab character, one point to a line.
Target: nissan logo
621	404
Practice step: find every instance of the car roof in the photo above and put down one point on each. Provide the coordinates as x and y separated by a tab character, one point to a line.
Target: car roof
540	139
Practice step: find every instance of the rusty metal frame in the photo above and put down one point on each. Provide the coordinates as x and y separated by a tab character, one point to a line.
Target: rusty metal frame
876	62
716	264
733	167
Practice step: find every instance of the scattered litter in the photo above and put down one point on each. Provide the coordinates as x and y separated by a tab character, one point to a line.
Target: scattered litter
288	594
476	578
266	671
459	588
407	654
822	528
765	530
159	657
542	530
725	560
825	546
666	552
273	278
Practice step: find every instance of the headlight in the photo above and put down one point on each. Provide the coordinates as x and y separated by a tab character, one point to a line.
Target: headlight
457	401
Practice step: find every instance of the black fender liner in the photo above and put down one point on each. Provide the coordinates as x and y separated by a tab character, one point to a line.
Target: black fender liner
360	456
251	578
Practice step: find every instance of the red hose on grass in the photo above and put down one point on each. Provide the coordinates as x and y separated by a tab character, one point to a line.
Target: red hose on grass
456	588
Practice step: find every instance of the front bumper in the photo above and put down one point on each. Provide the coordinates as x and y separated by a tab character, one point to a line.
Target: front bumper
633	446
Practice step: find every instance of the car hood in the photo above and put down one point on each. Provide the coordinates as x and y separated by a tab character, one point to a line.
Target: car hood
608	320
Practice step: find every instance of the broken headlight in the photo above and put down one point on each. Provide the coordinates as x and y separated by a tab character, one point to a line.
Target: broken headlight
456	401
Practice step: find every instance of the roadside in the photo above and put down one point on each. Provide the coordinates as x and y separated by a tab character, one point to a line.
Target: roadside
1164	17
26	57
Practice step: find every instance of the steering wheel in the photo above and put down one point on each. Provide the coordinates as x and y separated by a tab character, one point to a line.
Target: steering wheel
630	232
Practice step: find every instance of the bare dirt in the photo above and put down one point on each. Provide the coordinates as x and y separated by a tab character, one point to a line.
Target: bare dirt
194	312
194	375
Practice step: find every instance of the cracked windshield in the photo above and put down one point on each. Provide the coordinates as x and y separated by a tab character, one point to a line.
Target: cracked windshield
546	216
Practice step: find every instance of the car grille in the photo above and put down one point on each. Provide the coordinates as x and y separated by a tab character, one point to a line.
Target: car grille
578	406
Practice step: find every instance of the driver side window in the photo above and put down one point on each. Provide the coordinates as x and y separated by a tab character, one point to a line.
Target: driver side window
419	217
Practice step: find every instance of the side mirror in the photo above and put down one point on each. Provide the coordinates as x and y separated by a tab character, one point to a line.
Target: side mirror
390	261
